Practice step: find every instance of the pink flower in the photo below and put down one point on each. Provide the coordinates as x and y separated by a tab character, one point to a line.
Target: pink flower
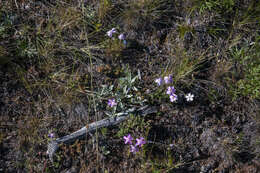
168	79
133	149
173	98
121	37
111	32
140	142
112	102
128	139
170	90
159	81
51	135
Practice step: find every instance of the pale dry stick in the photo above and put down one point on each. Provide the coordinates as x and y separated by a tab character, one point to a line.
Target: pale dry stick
92	127
16	4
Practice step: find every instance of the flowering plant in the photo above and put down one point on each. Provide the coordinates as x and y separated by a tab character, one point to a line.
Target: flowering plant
173	97
121	37
128	139
189	97
111	32
159	81
170	90
111	103
139	143
168	79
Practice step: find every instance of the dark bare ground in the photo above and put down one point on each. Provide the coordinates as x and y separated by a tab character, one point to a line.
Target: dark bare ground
222	136
214	133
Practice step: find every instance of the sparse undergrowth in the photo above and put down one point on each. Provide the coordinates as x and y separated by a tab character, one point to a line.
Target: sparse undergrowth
65	64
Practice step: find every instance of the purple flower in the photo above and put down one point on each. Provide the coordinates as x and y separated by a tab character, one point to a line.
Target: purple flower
140	142
170	90
51	135
168	79
112	102
133	149
111	32
121	37
159	81
128	139
173	97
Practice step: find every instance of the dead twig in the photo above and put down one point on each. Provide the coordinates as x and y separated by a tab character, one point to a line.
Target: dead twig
54	144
